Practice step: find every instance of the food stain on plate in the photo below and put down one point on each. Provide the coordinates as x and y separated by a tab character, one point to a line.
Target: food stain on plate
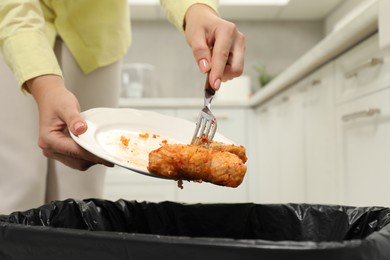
129	147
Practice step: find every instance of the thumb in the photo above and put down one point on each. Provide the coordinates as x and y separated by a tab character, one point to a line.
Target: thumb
77	125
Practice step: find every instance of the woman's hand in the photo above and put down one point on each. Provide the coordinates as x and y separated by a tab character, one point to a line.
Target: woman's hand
217	45
59	110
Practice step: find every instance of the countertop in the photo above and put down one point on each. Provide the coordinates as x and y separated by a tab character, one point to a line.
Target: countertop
178	102
335	43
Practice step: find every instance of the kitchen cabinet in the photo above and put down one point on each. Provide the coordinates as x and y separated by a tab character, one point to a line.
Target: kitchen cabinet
364	148
121	183
325	139
232	123
296	147
319	131
266	181
279	150
361	71
363	123
290	153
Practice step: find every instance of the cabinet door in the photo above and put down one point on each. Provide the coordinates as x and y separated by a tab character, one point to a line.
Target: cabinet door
266	182
121	183
320	137
291	156
364	127
279	150
361	71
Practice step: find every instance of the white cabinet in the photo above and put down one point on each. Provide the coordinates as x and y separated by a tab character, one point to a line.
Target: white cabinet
363	120
279	150
267	179
326	139
319	131
364	149
292	182
280	163
121	183
361	71
295	145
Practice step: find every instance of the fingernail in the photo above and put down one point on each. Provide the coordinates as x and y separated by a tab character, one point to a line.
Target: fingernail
217	84
78	126
203	64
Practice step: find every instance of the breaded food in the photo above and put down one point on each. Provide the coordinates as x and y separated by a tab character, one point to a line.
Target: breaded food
191	162
238	150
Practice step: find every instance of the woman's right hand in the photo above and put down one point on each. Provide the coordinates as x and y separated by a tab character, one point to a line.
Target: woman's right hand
217	45
59	112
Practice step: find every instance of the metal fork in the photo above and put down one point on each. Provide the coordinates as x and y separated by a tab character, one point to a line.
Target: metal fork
206	126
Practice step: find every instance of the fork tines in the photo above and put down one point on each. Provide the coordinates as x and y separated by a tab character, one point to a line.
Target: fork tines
206	128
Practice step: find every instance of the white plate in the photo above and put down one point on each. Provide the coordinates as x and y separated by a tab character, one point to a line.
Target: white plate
107	125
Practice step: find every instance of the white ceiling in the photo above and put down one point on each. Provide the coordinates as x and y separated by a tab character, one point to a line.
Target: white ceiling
294	10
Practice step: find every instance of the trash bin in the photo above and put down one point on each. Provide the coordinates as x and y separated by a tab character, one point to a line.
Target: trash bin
101	229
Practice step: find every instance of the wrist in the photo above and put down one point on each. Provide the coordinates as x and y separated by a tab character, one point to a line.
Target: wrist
195	11
40	85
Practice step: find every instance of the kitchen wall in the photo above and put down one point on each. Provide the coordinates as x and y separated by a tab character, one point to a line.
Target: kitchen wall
275	44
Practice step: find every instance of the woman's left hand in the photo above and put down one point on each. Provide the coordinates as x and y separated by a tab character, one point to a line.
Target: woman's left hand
217	45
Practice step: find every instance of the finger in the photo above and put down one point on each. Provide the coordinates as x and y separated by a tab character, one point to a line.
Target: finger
221	52
77	124
78	164
201	51
235	63
65	147
69	113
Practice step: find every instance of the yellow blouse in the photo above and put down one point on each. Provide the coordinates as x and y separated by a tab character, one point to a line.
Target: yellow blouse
97	32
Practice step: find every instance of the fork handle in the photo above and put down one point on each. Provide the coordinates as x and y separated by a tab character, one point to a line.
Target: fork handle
209	92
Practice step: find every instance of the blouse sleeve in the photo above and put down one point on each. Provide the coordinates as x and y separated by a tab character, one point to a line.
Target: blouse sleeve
176	10
23	42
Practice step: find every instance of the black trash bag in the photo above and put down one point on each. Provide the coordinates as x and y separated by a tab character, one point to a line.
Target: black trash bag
101	229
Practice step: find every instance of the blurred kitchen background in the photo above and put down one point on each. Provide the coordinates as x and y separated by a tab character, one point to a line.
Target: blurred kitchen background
276	34
312	107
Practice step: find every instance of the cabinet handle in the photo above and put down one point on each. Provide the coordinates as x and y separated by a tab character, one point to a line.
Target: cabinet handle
367	64
315	82
364	113
310	84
